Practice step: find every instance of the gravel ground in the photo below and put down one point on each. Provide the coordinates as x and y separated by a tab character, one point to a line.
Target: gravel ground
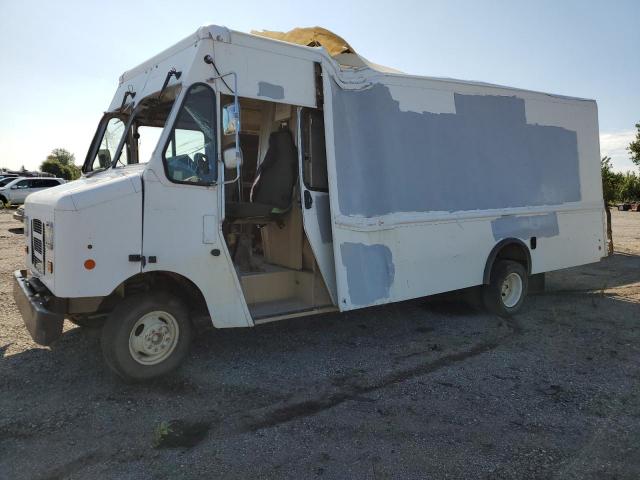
413	390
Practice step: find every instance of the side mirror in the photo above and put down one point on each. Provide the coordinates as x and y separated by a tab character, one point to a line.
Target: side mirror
230	119
232	158
14	187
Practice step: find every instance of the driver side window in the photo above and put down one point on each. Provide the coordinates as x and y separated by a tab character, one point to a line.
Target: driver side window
190	154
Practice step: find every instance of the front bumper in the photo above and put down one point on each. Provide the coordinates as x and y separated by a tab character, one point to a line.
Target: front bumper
44	325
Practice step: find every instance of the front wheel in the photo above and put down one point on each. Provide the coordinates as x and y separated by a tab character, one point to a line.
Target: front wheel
507	288
146	336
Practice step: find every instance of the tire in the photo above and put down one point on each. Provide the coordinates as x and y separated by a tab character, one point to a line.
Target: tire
507	288
146	336
88	321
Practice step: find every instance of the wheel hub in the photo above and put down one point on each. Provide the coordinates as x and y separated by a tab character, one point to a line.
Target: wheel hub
153	337
511	290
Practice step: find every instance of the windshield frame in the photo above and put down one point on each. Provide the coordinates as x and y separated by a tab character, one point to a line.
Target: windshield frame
99	135
128	116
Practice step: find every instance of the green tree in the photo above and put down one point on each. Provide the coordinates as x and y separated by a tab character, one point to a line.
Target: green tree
60	163
634	147
629	187
610	181
610	188
65	157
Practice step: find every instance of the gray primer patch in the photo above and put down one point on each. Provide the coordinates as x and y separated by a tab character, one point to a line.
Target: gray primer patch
484	156
370	271
525	226
270	90
323	211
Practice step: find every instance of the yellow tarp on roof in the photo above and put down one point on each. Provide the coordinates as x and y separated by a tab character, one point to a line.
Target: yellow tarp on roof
311	37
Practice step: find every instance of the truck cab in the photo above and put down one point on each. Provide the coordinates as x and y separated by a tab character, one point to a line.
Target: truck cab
190	207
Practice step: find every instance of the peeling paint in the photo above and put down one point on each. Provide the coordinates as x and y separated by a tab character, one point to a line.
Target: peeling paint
484	156
323	212
270	90
525	226
370	271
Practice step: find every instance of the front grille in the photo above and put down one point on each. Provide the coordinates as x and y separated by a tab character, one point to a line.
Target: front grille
37	245
36	226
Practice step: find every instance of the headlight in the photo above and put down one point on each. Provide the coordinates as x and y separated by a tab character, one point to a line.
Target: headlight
25	219
48	235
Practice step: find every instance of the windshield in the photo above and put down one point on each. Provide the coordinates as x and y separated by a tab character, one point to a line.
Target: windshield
138	133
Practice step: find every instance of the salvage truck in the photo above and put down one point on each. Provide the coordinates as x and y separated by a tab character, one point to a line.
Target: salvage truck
237	179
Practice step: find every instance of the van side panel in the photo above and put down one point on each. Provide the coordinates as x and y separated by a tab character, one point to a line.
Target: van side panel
426	176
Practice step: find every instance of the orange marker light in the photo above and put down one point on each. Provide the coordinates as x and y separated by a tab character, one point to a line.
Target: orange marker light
90	264
50	267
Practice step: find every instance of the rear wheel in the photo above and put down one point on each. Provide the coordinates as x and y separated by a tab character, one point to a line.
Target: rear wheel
146	336
507	288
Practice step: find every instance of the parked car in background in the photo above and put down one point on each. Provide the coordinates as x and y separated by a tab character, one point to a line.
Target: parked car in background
19	214
5	180
16	191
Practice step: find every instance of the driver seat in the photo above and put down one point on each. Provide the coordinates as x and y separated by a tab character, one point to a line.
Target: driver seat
272	189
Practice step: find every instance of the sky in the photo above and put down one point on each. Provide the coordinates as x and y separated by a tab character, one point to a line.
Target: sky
61	60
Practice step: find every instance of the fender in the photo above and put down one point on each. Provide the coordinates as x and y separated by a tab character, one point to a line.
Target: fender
496	251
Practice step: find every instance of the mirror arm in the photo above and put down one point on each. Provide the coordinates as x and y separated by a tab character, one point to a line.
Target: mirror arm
237	107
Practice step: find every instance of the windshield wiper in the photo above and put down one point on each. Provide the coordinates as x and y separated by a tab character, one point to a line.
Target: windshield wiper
127	94
171	73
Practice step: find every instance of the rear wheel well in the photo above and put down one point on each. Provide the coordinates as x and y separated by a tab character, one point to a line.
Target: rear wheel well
174	283
508	249
3	199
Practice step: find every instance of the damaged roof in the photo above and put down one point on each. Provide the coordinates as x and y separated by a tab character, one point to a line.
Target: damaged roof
335	45
311	37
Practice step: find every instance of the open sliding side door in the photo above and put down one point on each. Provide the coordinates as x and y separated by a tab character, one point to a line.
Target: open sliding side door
364	250
316	212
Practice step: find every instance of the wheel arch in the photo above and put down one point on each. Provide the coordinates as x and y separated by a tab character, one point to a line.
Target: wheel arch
509	249
157	280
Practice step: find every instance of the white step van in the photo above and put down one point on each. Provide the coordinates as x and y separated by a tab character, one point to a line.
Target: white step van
243	180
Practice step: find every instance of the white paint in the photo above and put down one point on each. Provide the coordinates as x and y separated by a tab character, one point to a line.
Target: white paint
421	100
255	66
210	229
